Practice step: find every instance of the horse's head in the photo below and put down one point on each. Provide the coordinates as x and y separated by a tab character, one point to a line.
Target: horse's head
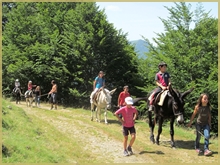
178	103
108	96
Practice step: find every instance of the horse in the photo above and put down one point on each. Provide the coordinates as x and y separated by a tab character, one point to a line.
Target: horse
30	98
17	93
173	106
103	100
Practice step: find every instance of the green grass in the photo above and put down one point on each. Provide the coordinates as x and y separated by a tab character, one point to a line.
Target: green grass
31	140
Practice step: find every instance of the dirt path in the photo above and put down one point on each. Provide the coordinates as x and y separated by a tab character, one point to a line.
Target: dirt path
107	149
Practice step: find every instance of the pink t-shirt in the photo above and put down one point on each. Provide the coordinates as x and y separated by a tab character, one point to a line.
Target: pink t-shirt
127	114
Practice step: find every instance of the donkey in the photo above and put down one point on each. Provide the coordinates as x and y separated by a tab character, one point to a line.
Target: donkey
30	98
173	106
103	100
17	94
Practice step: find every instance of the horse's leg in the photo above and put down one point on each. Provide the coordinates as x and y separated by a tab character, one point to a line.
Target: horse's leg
19	98
151	125
16	98
99	112
31	102
96	111
172	131
160	124
105	114
92	110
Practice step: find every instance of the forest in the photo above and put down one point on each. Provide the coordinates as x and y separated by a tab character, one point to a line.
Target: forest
70	42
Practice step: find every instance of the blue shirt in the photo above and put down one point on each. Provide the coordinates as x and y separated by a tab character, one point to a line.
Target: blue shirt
99	82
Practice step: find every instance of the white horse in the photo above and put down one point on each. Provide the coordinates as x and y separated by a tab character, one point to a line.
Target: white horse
103	101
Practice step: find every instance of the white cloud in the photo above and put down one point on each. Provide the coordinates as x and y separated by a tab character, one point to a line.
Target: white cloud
112	8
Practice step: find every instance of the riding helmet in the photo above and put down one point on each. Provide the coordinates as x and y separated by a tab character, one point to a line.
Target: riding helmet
17	80
30	81
162	64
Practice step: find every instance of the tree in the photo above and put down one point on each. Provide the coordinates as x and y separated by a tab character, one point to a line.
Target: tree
68	42
191	54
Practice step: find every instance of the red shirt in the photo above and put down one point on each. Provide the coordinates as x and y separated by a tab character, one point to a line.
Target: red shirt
30	86
122	97
128	115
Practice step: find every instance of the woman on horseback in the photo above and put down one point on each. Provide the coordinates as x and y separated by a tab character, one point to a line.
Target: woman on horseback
97	84
17	86
30	86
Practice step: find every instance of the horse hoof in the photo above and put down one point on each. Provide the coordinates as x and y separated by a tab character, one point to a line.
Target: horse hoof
152	140
158	143
91	119
106	122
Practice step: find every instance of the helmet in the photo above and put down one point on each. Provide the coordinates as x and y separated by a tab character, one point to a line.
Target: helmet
162	64
101	72
30	81
17	80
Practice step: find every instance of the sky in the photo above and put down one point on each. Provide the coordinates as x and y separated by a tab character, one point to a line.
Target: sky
142	18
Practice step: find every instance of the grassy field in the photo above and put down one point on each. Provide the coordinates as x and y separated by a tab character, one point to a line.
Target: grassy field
37	135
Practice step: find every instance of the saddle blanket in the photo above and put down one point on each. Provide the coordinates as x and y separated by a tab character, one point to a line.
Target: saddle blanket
162	97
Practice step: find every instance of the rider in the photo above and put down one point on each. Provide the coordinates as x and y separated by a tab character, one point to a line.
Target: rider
97	84
162	81
17	86
53	93
30	86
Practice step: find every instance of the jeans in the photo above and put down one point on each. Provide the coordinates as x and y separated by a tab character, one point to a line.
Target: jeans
37	100
206	132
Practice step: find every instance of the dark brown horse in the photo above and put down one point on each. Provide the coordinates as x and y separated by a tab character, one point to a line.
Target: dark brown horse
172	107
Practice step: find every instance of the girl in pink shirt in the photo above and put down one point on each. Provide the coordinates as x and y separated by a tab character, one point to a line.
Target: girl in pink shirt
129	114
30	86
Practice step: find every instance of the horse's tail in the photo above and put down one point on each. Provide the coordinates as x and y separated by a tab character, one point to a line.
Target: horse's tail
135	100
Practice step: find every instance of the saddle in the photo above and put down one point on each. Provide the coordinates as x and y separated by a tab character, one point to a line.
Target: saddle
161	97
96	95
15	90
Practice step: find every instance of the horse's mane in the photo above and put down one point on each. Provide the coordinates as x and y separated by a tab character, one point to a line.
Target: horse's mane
177	92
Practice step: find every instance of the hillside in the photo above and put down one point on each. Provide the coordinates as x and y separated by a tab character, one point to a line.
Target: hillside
39	135
140	47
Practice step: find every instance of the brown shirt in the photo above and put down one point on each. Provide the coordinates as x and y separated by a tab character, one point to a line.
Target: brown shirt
203	115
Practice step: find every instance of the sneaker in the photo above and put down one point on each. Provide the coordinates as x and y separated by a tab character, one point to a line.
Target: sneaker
130	150
198	151
150	108
207	152
126	153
